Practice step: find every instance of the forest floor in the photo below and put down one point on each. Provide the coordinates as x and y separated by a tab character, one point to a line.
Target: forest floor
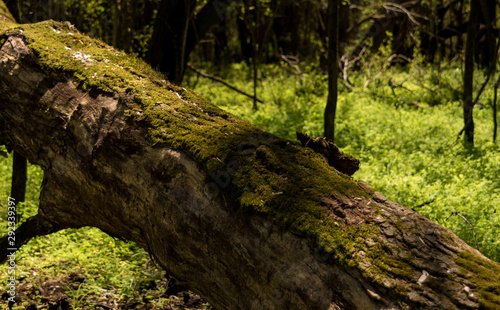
63	277
65	292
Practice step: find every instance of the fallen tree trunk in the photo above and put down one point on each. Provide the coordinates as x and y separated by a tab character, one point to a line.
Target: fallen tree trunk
247	219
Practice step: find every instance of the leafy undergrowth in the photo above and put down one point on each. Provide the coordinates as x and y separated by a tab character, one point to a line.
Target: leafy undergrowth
88	270
84	268
70	284
408	153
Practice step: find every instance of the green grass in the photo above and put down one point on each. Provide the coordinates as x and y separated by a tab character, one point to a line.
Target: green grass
408	154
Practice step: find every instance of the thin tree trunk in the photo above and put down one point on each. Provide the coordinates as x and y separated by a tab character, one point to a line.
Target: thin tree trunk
333	72
495	122
181	65
170	45
255	75
488	13
468	101
253	25
19	177
116	22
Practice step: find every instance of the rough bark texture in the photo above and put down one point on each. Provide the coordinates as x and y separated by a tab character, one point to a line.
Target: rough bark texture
470	47
19	177
333	70
249	220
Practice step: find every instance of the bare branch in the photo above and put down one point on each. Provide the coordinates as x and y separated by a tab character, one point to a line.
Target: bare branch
391	6
470	225
218	79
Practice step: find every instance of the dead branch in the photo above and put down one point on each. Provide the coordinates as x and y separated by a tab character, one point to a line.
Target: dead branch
423	71
424	203
391	6
470	225
218	79
293	62
347	64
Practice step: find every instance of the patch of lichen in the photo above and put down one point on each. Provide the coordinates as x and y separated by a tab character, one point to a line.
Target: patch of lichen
484	274
276	178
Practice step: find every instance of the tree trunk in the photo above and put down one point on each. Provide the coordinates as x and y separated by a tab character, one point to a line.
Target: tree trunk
19	178
495	121
167	47
14	8
176	33
487	16
468	101
333	71
247	219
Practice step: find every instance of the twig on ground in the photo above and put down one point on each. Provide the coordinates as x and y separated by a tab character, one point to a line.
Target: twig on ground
423	71
471	227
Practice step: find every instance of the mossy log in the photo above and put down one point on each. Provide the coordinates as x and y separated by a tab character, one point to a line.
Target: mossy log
245	218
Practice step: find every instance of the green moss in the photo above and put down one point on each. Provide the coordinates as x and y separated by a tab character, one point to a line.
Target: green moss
485	274
278	179
261	173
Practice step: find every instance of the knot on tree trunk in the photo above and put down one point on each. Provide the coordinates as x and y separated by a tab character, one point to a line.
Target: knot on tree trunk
344	163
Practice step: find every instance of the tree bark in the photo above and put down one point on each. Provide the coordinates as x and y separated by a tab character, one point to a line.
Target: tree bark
468	102
333	70
495	121
487	15
18	183
176	33
19	177
247	219
167	47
